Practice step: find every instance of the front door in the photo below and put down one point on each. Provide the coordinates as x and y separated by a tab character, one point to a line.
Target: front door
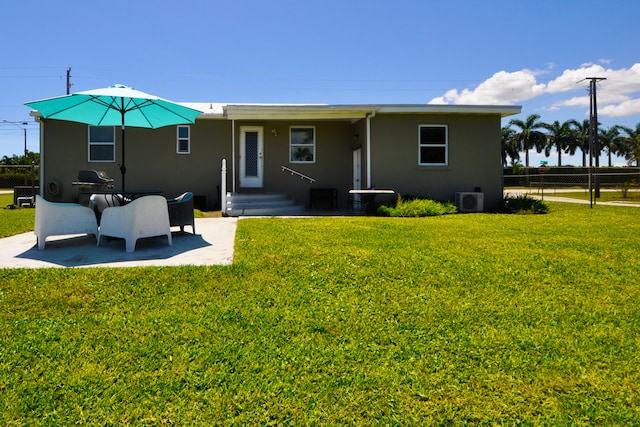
251	158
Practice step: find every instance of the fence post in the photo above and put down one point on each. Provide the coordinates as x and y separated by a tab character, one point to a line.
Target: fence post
223	187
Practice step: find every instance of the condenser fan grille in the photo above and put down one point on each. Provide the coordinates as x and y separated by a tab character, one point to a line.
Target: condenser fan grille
469	201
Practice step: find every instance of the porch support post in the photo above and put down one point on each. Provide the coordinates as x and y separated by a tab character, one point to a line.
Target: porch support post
233	156
223	187
369	117
42	159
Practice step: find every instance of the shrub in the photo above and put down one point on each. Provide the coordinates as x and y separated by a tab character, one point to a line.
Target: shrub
523	204
416	208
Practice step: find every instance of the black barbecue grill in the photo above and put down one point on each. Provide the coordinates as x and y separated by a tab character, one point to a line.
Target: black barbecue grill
95	178
91	180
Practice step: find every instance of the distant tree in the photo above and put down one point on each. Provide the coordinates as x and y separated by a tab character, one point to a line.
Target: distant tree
530	135
559	136
509	146
611	140
21	159
631	144
580	139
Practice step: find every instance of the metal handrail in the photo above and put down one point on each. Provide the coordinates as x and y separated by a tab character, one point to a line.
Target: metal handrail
302	176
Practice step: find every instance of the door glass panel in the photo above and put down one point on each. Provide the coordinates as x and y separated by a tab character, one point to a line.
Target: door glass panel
251	154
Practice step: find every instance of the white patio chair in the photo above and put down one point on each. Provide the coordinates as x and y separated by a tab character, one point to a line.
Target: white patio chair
146	216
56	219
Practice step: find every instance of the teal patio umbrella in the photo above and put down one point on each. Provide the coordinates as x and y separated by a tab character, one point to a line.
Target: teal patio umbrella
116	105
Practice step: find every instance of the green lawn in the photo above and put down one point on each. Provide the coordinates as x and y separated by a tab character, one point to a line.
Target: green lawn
14	221
475	319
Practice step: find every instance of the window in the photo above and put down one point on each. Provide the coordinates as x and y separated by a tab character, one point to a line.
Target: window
303	144
433	145
184	144
102	144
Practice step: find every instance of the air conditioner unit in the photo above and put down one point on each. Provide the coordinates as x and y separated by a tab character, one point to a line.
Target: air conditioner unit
470	202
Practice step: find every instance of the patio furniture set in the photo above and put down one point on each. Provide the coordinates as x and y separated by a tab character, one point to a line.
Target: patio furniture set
113	215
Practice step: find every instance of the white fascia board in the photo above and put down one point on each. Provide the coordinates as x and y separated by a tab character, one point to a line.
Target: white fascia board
297	112
502	110
344	112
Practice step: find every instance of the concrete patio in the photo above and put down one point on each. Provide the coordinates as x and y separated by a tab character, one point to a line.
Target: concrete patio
212	244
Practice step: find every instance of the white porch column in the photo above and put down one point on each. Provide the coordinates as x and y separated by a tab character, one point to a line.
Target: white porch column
223	187
369	117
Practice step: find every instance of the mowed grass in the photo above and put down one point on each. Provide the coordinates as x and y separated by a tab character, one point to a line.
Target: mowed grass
13	221
463	319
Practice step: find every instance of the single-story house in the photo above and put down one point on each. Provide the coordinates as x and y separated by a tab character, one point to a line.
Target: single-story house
304	151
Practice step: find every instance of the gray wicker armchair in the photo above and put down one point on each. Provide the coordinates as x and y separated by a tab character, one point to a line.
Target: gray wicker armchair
181	211
99	202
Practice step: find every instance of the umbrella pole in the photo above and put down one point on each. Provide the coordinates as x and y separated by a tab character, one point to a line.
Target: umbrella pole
123	168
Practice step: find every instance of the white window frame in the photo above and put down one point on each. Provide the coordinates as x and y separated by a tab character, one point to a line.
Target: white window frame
102	143
179	139
312	146
444	145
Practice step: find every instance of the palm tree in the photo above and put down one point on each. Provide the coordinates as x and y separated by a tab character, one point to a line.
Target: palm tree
580	139
612	141
530	135
632	144
509	145
559	136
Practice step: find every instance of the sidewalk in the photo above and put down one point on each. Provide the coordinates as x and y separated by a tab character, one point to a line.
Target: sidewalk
550	198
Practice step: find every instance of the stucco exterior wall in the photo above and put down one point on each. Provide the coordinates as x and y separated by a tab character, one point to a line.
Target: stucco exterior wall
474	156
332	168
151	159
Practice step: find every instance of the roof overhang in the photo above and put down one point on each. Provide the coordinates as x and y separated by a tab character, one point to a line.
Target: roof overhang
502	110
296	112
333	112
340	112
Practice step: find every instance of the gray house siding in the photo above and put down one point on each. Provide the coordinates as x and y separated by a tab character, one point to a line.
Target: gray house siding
332	167
151	159
389	153
473	156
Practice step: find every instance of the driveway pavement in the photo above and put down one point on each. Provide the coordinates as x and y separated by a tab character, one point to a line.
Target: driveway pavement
212	244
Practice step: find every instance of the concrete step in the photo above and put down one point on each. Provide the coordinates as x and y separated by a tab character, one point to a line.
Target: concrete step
266	204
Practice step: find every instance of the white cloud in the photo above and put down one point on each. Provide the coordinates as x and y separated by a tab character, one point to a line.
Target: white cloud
618	94
623	109
501	88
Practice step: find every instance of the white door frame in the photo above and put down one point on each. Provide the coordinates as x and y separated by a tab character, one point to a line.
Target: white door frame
252	161
357	173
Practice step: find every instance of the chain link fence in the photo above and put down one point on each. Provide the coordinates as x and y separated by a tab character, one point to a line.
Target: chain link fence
22	179
559	178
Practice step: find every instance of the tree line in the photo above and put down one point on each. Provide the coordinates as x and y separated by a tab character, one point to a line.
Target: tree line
568	137
17	159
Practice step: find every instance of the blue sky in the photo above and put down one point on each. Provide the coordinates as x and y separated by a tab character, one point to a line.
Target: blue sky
532	54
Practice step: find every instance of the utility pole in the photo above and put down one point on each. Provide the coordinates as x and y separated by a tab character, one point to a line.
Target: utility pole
69	80
594	148
24	130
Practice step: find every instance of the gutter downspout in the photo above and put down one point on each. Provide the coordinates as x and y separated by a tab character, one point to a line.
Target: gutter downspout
369	117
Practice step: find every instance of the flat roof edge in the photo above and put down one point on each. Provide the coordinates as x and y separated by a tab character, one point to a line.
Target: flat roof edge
238	110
